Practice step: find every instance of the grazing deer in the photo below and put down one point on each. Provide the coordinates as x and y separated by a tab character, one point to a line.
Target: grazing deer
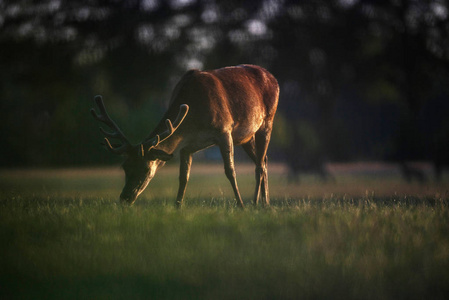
224	107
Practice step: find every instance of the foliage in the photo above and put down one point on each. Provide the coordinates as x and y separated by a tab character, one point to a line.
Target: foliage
57	54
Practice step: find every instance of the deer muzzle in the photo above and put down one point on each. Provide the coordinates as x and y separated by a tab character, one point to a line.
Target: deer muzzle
127	199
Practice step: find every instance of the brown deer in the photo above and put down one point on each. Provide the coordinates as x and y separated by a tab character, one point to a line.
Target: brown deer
224	107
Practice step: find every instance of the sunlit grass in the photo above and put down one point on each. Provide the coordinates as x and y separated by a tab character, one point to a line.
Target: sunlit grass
65	236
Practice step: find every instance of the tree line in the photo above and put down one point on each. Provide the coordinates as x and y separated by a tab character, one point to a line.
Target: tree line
360	79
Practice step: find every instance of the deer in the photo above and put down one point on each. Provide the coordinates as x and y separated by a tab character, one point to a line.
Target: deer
224	107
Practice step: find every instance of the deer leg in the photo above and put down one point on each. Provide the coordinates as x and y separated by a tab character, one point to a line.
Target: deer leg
262	139
265	192
184	173
261	175
250	149
227	152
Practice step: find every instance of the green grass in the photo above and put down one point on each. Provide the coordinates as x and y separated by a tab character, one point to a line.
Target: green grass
63	236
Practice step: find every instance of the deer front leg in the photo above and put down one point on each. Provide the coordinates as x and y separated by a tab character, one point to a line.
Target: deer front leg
227	152
184	173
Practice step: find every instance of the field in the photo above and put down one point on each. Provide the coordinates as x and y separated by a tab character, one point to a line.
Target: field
368	235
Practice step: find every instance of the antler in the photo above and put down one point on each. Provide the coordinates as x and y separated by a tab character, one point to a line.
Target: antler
115	134
171	128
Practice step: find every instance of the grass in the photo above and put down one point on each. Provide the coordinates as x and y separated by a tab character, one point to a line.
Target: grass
63	235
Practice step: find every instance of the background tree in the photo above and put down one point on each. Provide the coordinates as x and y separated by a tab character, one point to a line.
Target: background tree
359	79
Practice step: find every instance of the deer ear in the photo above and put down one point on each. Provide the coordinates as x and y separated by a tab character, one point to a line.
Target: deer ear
159	154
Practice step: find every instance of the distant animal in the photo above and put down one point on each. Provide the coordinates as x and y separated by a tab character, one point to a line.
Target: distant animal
297	166
305	157
440	157
225	107
411	173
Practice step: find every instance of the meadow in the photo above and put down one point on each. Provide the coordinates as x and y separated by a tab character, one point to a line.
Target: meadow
365	236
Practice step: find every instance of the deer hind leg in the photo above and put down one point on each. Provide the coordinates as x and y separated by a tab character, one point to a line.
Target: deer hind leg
262	139
250	149
256	150
227	152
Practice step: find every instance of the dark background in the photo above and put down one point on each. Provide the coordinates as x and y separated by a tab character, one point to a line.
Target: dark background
360	79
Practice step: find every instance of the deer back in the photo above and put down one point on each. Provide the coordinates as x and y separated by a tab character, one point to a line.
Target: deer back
238	99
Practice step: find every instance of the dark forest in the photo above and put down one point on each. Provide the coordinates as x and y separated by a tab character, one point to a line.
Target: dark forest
360	79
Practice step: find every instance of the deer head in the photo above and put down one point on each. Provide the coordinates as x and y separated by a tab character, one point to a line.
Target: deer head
142	160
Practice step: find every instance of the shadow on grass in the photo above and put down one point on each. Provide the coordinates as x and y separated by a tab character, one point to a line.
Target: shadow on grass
100	287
